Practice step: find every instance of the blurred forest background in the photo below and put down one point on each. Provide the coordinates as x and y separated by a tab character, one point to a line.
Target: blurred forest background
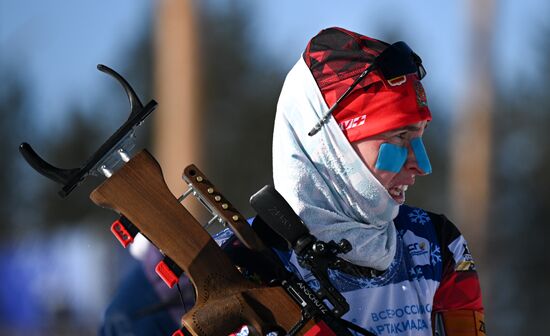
60	265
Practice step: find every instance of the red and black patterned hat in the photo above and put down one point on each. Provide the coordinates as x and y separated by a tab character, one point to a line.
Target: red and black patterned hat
336	57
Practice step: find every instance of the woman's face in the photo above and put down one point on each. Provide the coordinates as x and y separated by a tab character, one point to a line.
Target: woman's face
395	183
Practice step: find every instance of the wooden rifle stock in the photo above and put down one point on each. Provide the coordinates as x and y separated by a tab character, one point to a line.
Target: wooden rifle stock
225	300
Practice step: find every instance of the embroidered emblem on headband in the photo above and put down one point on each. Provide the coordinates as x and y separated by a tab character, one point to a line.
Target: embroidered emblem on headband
421	98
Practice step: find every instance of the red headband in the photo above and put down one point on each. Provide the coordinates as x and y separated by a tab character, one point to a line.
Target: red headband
380	108
336	57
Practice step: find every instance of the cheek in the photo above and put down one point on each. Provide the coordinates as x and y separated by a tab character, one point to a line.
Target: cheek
368	152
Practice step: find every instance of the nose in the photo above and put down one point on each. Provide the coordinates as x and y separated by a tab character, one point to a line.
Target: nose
411	164
417	158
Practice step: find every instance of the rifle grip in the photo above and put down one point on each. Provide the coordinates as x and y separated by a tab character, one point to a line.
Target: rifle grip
230	314
263	309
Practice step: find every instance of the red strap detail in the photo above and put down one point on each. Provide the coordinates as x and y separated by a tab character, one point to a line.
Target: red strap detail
120	232
320	329
178	333
181	332
166	274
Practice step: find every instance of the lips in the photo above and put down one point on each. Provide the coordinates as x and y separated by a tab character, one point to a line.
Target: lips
397	192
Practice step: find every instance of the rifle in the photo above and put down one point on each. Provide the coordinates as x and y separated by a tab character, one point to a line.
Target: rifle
225	300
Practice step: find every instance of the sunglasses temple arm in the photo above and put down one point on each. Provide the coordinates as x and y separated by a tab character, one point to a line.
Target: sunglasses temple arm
325	116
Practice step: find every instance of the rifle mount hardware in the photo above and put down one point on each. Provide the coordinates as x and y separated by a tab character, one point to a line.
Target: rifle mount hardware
312	254
109	157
